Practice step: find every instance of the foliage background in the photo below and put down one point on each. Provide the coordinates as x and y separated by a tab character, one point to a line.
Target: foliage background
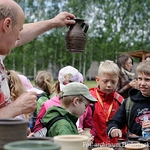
114	26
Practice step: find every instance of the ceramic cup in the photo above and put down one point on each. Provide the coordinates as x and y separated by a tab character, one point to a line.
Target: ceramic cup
12	130
102	148
32	145
72	142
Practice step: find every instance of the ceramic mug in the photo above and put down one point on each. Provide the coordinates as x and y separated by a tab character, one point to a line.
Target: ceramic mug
72	142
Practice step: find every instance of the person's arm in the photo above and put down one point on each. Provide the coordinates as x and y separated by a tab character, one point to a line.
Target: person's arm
26	103
118	121
38	125
32	30
88	121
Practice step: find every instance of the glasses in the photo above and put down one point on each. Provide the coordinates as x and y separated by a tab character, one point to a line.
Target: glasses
86	105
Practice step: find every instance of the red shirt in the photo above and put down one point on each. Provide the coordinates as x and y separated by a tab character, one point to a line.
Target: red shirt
105	109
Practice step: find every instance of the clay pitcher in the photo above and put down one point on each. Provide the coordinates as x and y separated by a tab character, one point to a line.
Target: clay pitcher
75	37
12	130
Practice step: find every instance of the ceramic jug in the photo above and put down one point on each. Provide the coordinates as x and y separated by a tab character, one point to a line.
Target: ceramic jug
12	130
75	37
72	142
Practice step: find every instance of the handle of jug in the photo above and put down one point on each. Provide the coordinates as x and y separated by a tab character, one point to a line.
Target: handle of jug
85	26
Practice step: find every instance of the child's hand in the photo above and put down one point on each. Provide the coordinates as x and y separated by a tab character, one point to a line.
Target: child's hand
91	139
31	134
116	133
146	124
80	130
134	84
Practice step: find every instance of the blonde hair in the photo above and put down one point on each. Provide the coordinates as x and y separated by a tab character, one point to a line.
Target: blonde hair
144	67
15	84
67	100
16	87
108	67
44	80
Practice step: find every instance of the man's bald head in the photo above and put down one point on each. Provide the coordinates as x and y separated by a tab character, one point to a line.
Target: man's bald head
10	9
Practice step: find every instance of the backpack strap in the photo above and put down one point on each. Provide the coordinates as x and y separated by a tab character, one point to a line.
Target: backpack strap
92	108
118	98
128	107
51	122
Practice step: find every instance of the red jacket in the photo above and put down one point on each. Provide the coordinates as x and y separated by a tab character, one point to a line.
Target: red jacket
99	115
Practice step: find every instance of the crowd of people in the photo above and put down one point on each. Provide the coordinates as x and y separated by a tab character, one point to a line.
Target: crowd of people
69	107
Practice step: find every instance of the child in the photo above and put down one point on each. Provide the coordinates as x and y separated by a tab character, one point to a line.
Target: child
75	97
73	75
108	100
16	89
140	108
43	80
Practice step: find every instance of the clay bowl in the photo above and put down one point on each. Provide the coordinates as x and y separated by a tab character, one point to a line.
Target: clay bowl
133	138
135	146
72	142
121	140
102	148
40	138
32	145
143	140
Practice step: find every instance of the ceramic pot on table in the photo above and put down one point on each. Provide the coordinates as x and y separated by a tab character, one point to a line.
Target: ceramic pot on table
12	130
32	145
102	148
136	146
72	142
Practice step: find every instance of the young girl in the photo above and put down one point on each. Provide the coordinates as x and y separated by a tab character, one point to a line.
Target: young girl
16	89
43	81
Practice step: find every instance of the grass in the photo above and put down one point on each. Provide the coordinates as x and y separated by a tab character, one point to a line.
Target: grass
89	84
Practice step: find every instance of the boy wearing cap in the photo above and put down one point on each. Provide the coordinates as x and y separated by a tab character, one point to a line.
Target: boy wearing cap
75	97
66	75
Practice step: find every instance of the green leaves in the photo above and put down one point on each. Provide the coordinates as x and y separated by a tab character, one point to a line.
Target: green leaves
114	27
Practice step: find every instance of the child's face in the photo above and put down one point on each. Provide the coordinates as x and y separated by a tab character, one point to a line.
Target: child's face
144	84
107	82
81	107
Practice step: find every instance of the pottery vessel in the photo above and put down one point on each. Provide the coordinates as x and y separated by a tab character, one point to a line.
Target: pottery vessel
102	148
12	130
40	138
72	142
75	37
135	146
32	145
86	132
